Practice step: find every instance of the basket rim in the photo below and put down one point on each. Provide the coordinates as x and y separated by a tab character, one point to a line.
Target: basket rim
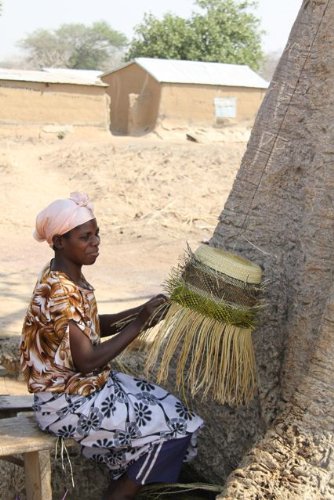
228	263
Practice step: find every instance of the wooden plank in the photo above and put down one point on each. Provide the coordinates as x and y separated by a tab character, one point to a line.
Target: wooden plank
13	460
21	435
37	467
18	403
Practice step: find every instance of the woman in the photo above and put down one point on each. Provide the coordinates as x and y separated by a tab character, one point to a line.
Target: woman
140	431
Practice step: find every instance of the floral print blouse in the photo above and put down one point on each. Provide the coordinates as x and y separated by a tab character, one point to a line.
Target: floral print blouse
46	359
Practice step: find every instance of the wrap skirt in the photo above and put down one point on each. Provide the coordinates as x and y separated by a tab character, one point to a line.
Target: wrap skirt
130	425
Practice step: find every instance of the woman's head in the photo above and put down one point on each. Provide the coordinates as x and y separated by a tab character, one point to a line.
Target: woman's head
61	216
80	245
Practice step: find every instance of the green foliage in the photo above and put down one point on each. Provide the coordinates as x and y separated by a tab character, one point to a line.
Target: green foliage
74	46
223	31
166	39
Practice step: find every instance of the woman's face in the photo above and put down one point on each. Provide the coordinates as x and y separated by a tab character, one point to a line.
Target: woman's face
81	244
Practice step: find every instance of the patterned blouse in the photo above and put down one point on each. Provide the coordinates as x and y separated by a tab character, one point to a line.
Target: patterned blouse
46	359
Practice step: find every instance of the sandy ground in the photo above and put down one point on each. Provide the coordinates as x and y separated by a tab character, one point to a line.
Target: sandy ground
152	195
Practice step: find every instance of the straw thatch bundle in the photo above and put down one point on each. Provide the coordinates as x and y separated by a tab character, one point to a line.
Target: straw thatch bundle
214	299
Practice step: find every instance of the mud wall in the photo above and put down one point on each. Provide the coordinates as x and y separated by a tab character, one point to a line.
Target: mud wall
40	104
195	104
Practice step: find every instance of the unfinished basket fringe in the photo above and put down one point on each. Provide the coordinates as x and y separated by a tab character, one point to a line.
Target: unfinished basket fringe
214	299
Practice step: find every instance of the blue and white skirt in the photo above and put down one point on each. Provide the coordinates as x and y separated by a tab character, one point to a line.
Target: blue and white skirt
130	425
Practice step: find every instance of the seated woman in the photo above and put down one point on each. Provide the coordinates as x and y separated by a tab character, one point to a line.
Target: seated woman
140	431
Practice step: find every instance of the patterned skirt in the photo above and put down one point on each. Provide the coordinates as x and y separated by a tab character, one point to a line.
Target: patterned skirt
130	425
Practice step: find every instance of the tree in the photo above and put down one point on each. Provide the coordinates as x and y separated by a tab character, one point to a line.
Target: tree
74	46
226	32
223	31
167	39
280	214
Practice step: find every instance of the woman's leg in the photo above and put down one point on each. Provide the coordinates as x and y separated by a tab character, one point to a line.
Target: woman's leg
122	489
162	464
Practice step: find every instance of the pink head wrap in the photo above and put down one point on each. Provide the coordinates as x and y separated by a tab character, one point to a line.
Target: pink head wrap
63	215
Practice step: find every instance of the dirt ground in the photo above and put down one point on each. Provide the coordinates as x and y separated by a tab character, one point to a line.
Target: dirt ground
152	196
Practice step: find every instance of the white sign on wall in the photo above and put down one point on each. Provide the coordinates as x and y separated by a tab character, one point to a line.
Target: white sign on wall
225	107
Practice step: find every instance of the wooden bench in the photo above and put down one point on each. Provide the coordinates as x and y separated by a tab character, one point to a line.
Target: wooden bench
21	435
11	405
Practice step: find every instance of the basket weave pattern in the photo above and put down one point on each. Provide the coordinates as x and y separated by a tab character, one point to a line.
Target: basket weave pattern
214	299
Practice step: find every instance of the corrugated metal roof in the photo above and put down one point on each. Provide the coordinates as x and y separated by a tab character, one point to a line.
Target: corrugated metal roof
86	74
74	77
196	72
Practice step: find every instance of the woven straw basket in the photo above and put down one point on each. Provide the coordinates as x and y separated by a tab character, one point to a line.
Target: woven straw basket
214	300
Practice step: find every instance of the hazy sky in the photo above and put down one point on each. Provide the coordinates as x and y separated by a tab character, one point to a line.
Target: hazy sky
20	17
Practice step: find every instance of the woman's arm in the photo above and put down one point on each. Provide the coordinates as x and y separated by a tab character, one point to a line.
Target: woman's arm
87	357
112	323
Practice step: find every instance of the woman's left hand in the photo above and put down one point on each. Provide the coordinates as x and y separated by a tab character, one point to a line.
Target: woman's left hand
155	309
